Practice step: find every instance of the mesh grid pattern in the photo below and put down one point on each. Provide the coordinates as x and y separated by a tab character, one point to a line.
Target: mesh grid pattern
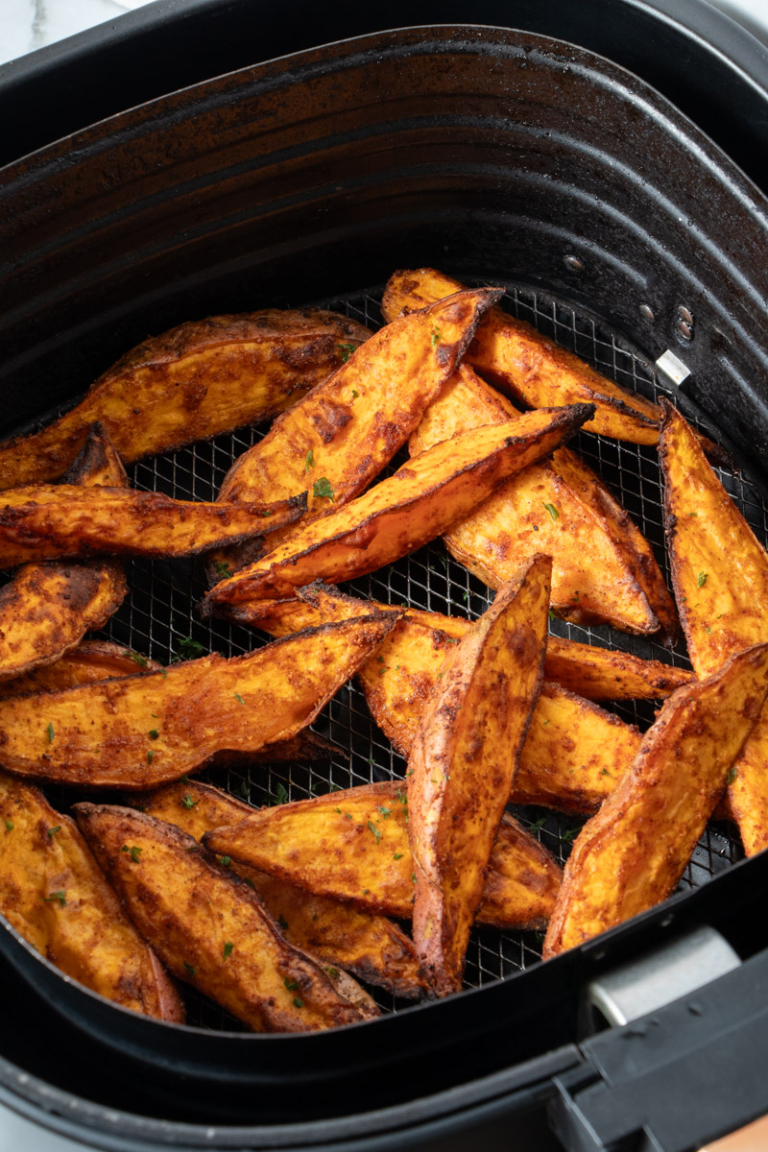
159	612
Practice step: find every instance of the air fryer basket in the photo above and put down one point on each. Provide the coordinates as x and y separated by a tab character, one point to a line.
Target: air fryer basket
506	159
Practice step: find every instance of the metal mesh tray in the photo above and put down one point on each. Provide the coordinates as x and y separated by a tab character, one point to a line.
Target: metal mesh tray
159	612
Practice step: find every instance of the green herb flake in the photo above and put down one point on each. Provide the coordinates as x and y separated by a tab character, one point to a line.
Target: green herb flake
226	861
355	393
239	698
8	825
190	969
61	896
708	629
309	461
51	733
386	812
323	489
435	337
346	351
150	757
281	794
401	796
552	511
133	851
188	802
188	649
339	811
702	579
52	831
298	1003
376	831
153	734
398	856
222	569
291	985
227	950
413	877
282	922
552	615
249	882
606	772
137	658
538	824
332	972
732	774
569	835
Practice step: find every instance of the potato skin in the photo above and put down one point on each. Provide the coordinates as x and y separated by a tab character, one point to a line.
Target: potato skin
190	908
720	577
518	358
54	894
90	661
46	609
353	845
49	522
191	383
405	511
603	570
462	764
367	945
632	853
140	731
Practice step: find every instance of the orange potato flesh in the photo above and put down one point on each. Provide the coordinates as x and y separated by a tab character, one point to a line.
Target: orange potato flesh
49	522
91	660
462	763
191	909
632	853
533	369
192	383
366	944
404	511
46	609
353	846
349	427
54	894
603	570
144	730
720	577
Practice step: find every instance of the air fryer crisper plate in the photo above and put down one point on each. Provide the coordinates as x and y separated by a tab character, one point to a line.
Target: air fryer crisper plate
502	157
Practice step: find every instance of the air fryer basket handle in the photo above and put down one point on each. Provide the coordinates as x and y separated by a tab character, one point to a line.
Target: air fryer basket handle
675	1078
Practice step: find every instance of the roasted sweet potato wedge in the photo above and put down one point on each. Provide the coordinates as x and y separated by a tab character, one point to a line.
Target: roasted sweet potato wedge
405	511
141	731
463	761
366	944
515	356
208	927
632	853
353	846
54	894
52	521
720	576
596	673
603	570
200	379
335	440
91	660
46	609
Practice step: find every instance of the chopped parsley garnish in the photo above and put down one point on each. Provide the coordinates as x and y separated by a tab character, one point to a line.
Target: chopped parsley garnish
247	880
226	861
322	489
401	796
190	969
552	511
282	922
239	698
153	734
346	351
52	831
8	825
702	579
51	733
297	1003
435	337
150	757
228	947
333	972
606	772
552	615
291	985
355	393
222	569
538	824
398	856
188	802
376	831
569	835
281	795
386	812
244	790
309	461
137	658
338	810
413	877
134	852
61	896
188	649
732	774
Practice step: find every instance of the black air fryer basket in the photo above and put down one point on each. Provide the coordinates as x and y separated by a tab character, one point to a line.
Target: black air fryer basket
619	229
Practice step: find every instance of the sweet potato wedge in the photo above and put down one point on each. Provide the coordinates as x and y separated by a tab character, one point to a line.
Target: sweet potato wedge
405	511
603	570
463	760
54	894
191	383
353	846
720	577
518	358
208	927
335	440
366	944
91	660
141	731
632	853
589	671
52	521
46	609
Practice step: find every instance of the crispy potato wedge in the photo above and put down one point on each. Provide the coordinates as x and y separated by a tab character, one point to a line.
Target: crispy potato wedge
305	747
596	673
720	577
366	944
46	609
603	569
335	440
632	853
54	894
209	928
515	356
463	761
404	511
49	522
141	731
90	661
353	846
191	383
